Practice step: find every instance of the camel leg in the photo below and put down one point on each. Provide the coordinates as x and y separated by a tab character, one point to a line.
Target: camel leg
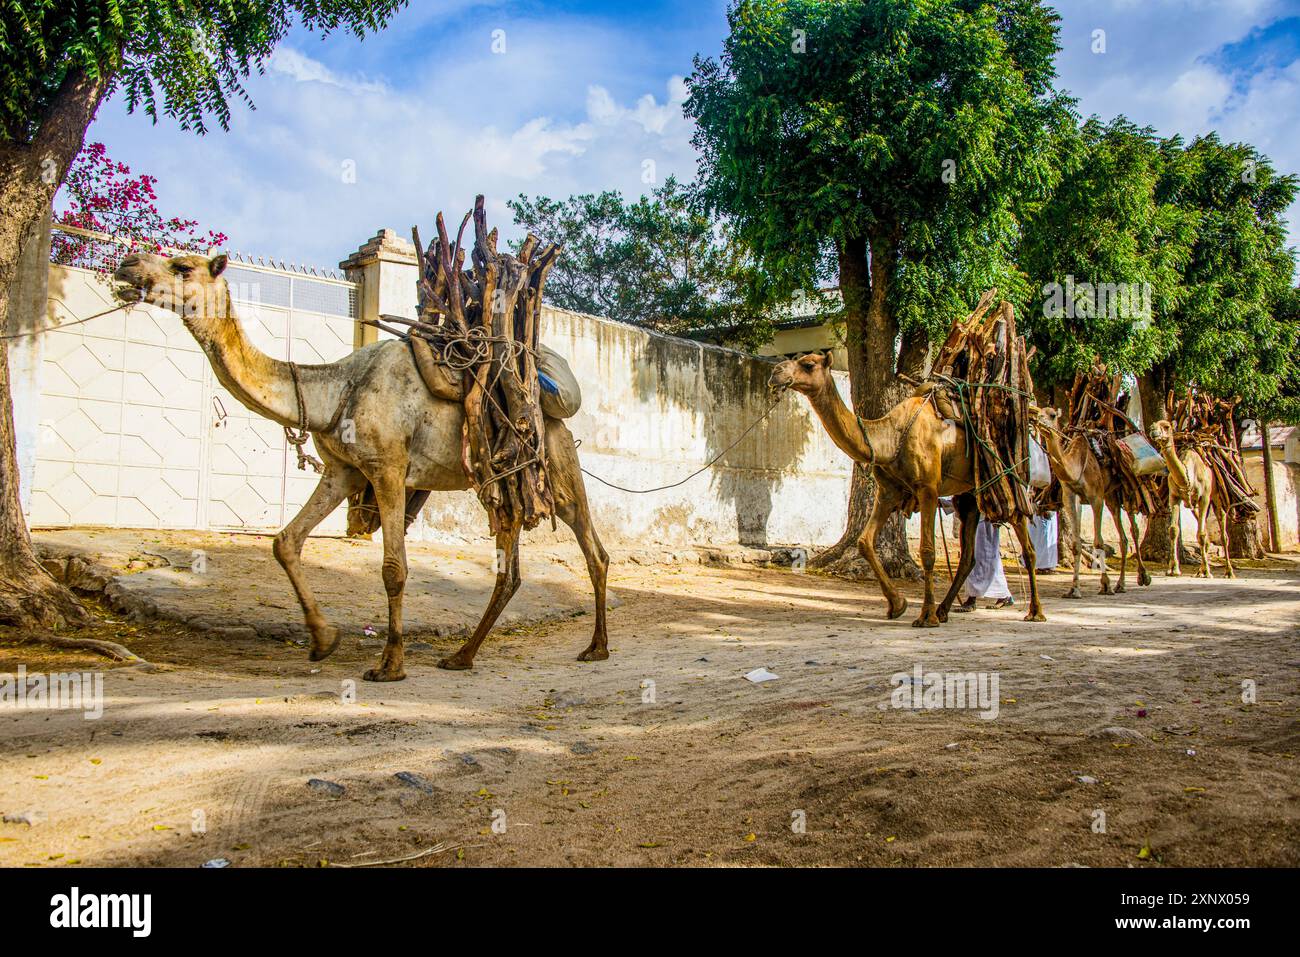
969	514
1117	515
507	583
1175	536
390	497
1099	547
338	482
1144	576
571	507
1021	526
885	505
1222	516
1074	506
578	517
1203	537
928	500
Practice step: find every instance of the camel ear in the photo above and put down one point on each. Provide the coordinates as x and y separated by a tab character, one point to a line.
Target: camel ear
829	361
217	265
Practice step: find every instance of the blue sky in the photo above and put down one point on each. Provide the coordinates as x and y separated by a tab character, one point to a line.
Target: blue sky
584	94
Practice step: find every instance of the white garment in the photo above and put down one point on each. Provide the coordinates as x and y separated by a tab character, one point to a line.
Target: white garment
1042	532
986	578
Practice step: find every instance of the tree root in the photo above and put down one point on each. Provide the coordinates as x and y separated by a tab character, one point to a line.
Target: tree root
100	646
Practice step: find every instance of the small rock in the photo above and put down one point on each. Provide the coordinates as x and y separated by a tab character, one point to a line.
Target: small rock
569	701
30	818
468	759
411	779
582	747
216	862
326	787
1085	779
951	747
419	646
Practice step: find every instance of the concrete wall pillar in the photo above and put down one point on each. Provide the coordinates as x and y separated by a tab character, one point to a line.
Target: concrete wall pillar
386	271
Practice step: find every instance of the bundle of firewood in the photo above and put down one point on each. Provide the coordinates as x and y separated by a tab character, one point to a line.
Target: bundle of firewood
982	371
483	323
1096	409
1206	423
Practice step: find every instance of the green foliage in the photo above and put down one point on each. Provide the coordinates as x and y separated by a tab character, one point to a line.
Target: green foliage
845	131
183	58
657	262
1111	226
1234	331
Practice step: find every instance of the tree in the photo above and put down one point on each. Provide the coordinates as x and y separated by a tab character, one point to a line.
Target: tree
658	262
59	59
1104	256
1229	333
896	143
104	197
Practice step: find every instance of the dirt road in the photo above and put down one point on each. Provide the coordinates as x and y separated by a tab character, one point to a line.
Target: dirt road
666	754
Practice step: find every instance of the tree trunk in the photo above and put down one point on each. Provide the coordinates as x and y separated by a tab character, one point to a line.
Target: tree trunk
1270	490
29	177
871	331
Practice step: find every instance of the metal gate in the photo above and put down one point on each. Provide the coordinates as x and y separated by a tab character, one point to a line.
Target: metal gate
135	430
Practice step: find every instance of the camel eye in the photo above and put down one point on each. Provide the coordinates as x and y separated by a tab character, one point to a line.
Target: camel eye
806	366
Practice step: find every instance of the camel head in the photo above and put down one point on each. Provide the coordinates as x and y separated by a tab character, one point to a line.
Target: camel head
809	374
189	285
1161	433
1049	417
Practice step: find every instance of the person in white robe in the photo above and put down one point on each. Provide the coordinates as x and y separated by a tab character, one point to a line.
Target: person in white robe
986	578
1042	532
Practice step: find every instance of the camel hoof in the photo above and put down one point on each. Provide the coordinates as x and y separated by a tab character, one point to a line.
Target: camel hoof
1106	590
594	654
379	674
1073	593
924	622
324	643
1035	616
1144	580
896	611
455	663
1120	589
942	615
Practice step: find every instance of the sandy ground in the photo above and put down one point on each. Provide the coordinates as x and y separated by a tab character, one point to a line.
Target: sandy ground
536	759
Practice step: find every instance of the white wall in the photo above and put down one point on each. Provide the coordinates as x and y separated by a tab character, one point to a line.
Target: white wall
137	432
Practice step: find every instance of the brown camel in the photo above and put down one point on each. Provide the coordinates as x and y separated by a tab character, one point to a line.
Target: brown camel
1191	481
915	457
1083	479
373	420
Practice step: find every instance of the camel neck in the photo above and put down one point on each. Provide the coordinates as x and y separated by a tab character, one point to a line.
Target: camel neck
261	383
1059	455
859	439
1177	469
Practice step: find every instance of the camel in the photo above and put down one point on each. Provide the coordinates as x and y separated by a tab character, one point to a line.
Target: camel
916	457
1083	479
399	437
1191	481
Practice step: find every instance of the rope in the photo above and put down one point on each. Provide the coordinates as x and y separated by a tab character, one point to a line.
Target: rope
705	468
300	439
65	325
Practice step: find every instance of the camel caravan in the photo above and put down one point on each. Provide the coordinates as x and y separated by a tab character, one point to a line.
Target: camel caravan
467	397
